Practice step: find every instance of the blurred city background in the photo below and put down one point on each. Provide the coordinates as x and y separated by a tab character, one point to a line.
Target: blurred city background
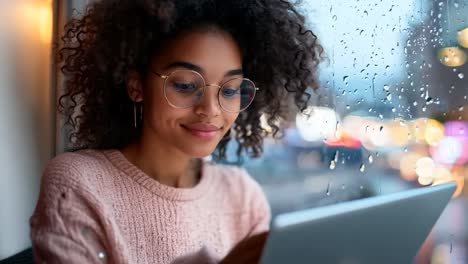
391	112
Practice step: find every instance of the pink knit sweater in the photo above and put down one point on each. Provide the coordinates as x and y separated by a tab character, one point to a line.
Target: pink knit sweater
97	207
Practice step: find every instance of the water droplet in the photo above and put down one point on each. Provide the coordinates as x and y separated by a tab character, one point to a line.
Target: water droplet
101	255
362	168
451	243
345	79
371	159
335	17
461	75
389	97
381	128
415	103
328	188
332	165
461	108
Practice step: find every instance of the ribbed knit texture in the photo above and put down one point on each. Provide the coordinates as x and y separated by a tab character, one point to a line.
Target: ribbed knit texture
97	207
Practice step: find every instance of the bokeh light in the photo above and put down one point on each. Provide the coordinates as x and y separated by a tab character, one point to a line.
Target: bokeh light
451	56
462	37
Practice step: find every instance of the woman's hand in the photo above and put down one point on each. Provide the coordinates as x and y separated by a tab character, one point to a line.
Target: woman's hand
248	251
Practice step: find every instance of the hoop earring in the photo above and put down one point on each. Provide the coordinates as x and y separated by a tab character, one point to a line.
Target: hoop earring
135	110
134	115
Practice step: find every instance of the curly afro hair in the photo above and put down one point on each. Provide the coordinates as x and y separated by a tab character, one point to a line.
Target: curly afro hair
114	37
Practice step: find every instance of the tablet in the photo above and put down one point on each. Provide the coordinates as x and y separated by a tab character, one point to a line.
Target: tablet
383	229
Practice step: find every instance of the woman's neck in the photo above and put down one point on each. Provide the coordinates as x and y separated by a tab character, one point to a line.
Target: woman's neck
171	169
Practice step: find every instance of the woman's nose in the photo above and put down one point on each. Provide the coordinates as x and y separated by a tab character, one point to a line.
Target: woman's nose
209	104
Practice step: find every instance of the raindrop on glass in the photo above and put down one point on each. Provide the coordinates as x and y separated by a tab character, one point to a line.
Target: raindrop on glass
362	168
461	75
451	243
332	165
371	159
101	255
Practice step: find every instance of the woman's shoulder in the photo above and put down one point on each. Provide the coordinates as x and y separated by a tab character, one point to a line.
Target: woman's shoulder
77	160
71	168
236	179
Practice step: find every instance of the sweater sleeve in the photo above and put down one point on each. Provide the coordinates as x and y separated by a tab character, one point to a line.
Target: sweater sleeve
61	232
67	226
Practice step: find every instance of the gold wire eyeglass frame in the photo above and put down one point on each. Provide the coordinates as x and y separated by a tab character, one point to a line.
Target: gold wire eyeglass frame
166	77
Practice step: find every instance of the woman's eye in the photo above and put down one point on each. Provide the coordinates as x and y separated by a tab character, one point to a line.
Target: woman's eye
185	87
230	92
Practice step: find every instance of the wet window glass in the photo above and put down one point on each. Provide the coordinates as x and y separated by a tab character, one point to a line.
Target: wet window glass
391	114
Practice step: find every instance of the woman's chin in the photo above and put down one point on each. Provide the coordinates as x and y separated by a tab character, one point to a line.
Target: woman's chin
199	152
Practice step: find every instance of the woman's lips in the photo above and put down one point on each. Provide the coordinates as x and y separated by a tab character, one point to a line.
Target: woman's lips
202	130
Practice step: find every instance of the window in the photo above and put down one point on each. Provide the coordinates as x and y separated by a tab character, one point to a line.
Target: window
391	113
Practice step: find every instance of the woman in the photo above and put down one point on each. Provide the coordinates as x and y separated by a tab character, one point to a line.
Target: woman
152	87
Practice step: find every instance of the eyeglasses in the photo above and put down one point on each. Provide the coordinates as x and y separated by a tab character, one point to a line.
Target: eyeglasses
185	88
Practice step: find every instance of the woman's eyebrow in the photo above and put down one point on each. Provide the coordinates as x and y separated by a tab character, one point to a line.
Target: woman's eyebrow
234	72
193	67
184	64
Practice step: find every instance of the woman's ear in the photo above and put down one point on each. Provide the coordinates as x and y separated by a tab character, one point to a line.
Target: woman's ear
134	87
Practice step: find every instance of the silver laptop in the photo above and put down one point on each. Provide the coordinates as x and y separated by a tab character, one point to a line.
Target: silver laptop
383	229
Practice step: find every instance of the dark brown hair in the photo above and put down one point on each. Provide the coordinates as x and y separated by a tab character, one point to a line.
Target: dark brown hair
113	37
